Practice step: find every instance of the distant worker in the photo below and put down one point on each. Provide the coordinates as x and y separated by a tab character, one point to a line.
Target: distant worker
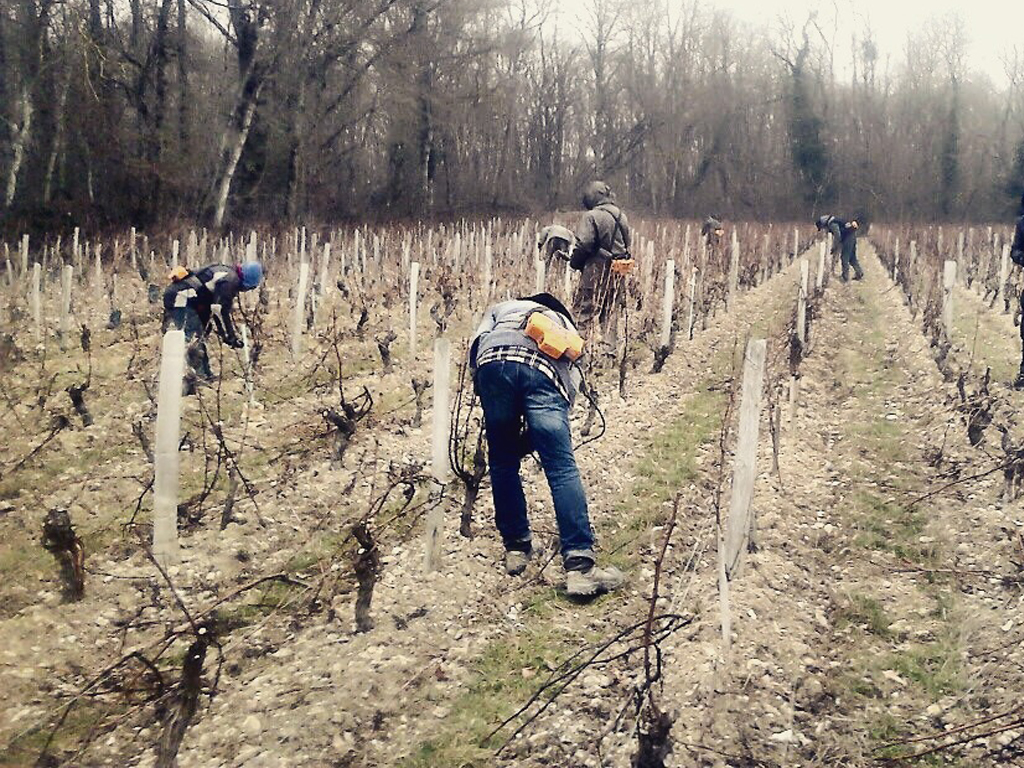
712	230
194	300
844	244
524	357
556	240
601	255
1017	255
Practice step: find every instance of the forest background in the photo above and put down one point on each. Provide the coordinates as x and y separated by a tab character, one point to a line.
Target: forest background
234	112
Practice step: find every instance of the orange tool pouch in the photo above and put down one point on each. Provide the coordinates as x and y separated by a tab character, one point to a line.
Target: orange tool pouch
622	266
177	274
553	340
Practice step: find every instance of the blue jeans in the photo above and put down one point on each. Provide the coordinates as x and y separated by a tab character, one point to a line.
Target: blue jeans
511	393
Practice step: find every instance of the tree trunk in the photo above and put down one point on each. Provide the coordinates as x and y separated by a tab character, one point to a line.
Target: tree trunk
19	141
58	140
3	79
182	77
235	136
295	170
154	144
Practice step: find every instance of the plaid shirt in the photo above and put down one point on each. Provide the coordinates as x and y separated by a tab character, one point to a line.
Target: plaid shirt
529	357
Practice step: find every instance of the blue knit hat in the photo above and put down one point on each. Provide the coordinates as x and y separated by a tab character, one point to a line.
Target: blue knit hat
252	274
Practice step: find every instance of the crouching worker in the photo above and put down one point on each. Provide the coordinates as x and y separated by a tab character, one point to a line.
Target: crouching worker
844	244
1017	255
523	359
195	299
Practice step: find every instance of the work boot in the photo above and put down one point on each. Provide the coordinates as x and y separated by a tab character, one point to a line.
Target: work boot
1018	383
593	581
516	561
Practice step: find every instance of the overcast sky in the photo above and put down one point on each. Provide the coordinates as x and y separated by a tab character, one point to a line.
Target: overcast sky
993	26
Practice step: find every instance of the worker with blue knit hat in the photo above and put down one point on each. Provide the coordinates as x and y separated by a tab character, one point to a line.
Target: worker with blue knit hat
196	299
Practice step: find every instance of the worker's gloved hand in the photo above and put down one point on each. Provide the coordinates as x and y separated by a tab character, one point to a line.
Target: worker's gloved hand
234	343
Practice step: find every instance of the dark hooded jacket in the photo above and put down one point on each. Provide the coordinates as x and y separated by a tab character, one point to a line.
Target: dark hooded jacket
841	231
604	227
1017	246
210	293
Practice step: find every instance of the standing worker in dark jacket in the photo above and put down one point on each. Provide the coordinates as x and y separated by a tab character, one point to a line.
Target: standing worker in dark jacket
195	299
712	230
524	357
844	244
1017	255
602	257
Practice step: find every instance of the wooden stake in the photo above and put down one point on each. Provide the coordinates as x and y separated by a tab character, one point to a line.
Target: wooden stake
439	432
298	318
414	281
745	462
948	281
168	423
666	303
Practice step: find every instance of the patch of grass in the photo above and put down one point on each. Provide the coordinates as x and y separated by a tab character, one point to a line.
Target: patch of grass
81	723
886	526
992	340
668	464
320	548
934	666
866	612
262	602
499	688
883	439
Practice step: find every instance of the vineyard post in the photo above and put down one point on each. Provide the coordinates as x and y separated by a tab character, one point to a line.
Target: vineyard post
247	365
960	252
174	254
801	302
819	278
948	281
723	599
414	281
666	303
74	245
896	262
745	460
1004	270
325	268
766	250
65	303
488	266
693	302
734	271
439	434
97	279
10	270
910	272
796	243
649	269
24	254
165	455
298	317
539	277
567	284
37	308
985	265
